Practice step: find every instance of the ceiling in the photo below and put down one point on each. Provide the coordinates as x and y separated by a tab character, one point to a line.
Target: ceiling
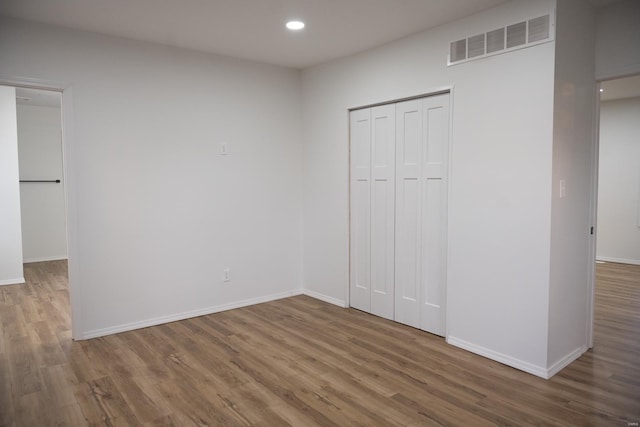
253	29
602	3
628	87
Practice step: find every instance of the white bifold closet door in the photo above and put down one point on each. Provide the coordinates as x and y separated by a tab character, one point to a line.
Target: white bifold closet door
422	141
399	162
372	210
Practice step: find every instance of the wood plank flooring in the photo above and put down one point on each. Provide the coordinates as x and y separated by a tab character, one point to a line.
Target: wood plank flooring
299	362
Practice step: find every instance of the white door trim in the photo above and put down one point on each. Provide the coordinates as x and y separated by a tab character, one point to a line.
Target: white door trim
449	210
593	206
70	189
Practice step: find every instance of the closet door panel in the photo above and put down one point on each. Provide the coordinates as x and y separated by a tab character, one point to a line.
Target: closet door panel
409	150
434	208
383	210
360	251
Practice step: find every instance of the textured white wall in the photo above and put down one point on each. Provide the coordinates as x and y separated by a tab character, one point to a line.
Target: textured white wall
572	159
160	212
619	181
500	188
10	237
44	231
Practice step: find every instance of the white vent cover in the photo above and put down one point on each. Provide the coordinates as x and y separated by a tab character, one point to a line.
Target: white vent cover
458	50
539	29
511	37
516	34
495	41
476	46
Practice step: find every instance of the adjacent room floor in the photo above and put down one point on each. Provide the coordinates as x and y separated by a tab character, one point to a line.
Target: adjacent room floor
299	362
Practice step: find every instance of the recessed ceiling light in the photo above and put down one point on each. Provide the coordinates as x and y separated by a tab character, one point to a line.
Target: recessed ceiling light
295	25
601	90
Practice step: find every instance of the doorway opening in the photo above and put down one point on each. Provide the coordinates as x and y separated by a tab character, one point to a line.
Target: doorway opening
45	206
618	226
42	199
616	207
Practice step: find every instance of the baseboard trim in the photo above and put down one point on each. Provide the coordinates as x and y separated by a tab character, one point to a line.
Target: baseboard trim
325	298
8	282
618	260
44	259
95	333
499	357
565	361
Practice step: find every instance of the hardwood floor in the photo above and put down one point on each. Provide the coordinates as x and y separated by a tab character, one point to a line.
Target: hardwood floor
299	362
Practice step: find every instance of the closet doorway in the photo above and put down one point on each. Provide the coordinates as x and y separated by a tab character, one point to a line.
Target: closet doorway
42	193
398	223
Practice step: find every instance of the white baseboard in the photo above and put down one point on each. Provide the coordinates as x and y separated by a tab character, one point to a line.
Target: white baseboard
44	259
618	260
565	361
95	333
17	281
538	371
186	315
530	368
325	298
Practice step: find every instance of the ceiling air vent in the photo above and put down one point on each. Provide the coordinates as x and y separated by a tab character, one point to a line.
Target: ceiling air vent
476	46
495	40
458	50
539	29
511	37
516	34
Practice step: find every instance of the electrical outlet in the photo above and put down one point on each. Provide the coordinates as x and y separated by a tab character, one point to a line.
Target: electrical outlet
226	275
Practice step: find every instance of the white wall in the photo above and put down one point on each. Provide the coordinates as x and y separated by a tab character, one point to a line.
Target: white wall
499	218
574	107
160	212
618	40
44	233
619	182
10	238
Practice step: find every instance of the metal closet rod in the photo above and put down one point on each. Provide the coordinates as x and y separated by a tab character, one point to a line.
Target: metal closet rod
57	181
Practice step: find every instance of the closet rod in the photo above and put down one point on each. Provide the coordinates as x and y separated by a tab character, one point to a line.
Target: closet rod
57	181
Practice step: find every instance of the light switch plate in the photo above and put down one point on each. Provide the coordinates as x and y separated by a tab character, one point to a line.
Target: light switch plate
563	188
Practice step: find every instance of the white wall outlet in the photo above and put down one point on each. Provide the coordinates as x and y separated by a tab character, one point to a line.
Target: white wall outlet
224	148
226	275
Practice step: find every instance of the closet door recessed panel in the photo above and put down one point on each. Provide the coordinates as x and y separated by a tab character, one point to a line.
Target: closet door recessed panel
434	208
383	210
360	251
409	150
